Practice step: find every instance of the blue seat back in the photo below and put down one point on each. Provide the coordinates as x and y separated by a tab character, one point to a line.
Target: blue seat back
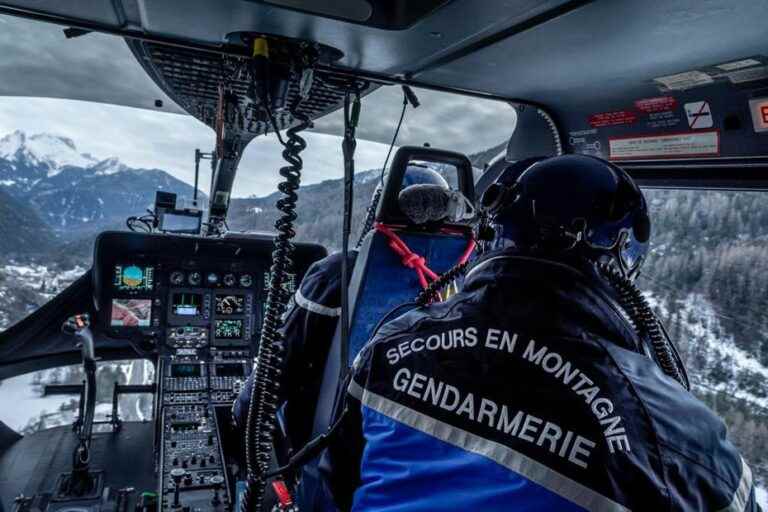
380	282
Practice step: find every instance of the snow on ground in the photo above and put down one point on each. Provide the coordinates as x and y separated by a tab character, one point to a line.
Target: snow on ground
701	323
39	277
761	496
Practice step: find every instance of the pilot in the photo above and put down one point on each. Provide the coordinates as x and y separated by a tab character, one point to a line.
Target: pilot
310	325
545	384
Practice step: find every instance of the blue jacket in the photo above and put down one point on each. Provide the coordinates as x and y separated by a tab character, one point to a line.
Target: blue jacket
309	327
527	391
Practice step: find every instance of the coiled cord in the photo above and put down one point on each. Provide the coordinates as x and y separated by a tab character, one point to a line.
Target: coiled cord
432	292
262	408
646	324
370	215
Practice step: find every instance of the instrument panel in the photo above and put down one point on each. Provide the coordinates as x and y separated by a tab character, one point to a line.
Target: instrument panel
199	302
187	292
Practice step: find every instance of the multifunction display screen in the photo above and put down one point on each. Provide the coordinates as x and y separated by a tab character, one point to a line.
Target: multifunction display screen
187	304
227	305
131	313
186	370
230	370
134	278
229	329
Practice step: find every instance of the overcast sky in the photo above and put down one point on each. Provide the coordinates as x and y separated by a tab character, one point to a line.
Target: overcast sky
38	62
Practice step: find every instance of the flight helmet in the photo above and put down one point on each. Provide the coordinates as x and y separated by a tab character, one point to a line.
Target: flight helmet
570	206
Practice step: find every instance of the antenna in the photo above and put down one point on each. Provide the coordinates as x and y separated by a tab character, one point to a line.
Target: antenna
199	155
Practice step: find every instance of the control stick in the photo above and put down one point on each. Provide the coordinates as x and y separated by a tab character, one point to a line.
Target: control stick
176	475
79	327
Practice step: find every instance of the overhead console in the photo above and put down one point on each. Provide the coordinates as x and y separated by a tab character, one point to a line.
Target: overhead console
199	303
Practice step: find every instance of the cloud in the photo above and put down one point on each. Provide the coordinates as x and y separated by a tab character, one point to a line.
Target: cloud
146	139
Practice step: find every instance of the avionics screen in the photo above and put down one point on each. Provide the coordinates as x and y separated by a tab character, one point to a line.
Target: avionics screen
134	278
186	370
230	305
187	304
230	370
228	329
181	222
131	313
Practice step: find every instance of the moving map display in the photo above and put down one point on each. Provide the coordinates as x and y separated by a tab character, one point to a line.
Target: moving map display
131	313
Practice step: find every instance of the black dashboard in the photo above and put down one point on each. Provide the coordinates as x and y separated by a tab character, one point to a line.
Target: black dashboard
187	292
198	304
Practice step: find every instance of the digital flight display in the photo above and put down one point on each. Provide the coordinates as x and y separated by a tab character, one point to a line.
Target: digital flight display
229	370
227	305
186	370
131	313
134	278
230	329
187	304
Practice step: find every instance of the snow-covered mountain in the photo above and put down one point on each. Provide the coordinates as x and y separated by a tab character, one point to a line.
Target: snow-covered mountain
43	154
74	193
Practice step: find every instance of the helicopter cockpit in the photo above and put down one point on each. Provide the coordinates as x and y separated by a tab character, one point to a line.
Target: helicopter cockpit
676	94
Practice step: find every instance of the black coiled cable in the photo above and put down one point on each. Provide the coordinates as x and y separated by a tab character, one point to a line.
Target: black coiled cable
370	215
262	408
646	324
432	292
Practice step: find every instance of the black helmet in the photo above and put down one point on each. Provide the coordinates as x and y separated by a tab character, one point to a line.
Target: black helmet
575	205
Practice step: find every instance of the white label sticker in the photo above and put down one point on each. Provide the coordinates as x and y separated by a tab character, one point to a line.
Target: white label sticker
738	64
748	75
665	146
683	81
699	114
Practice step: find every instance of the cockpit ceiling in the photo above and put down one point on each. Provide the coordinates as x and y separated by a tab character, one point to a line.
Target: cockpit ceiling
589	63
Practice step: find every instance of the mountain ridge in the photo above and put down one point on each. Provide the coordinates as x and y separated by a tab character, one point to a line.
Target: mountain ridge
76	194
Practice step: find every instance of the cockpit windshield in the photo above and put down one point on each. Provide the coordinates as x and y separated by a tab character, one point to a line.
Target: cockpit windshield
88	137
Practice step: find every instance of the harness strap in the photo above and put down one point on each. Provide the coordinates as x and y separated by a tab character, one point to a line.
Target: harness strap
413	260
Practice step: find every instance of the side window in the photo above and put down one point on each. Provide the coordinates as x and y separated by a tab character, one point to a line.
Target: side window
29	402
707	278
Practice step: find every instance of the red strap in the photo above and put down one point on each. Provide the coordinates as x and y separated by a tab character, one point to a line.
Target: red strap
283	494
413	260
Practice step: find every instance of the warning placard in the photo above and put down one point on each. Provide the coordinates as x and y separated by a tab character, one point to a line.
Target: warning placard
612	118
699	114
684	81
658	104
703	143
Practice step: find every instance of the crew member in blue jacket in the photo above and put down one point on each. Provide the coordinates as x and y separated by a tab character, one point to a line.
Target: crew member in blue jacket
309	327
546	384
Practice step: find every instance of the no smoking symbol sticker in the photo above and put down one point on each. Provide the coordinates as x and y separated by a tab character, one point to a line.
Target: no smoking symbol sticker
699	114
